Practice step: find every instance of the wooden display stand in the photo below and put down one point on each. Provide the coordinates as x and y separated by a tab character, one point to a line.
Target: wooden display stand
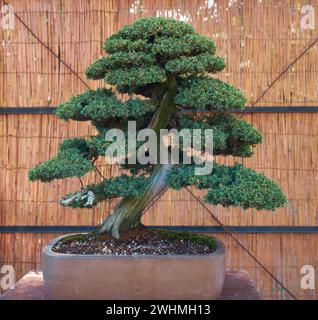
237	286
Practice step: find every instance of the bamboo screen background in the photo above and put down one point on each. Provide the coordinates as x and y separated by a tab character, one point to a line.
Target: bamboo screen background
258	39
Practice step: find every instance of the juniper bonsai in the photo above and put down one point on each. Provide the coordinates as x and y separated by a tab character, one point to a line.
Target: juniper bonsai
165	68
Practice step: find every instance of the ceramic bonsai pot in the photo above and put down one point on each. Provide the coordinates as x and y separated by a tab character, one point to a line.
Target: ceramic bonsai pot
105	277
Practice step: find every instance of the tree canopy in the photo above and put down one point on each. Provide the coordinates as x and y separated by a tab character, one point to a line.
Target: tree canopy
142	60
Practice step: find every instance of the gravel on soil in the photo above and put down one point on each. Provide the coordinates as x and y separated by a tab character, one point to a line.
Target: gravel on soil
141	243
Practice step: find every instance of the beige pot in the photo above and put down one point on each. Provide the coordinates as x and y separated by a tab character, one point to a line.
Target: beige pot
105	277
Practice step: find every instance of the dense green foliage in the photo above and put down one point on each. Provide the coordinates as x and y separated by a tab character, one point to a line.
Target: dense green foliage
141	54
97	69
140	58
193	65
102	105
231	186
211	94
73	160
122	186
231	135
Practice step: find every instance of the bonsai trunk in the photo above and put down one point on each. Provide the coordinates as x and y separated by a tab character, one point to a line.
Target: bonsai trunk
127	213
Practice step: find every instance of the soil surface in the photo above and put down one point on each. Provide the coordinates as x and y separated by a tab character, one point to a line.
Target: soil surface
140	242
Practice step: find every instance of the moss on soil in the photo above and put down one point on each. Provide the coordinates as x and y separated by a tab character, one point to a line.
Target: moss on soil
189	236
171	236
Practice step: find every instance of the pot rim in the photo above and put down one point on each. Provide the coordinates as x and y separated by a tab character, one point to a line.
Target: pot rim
47	250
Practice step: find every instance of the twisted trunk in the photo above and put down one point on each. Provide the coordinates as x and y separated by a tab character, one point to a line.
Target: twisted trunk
127	213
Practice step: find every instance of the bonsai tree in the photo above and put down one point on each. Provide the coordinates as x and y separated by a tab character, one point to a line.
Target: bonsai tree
165	68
